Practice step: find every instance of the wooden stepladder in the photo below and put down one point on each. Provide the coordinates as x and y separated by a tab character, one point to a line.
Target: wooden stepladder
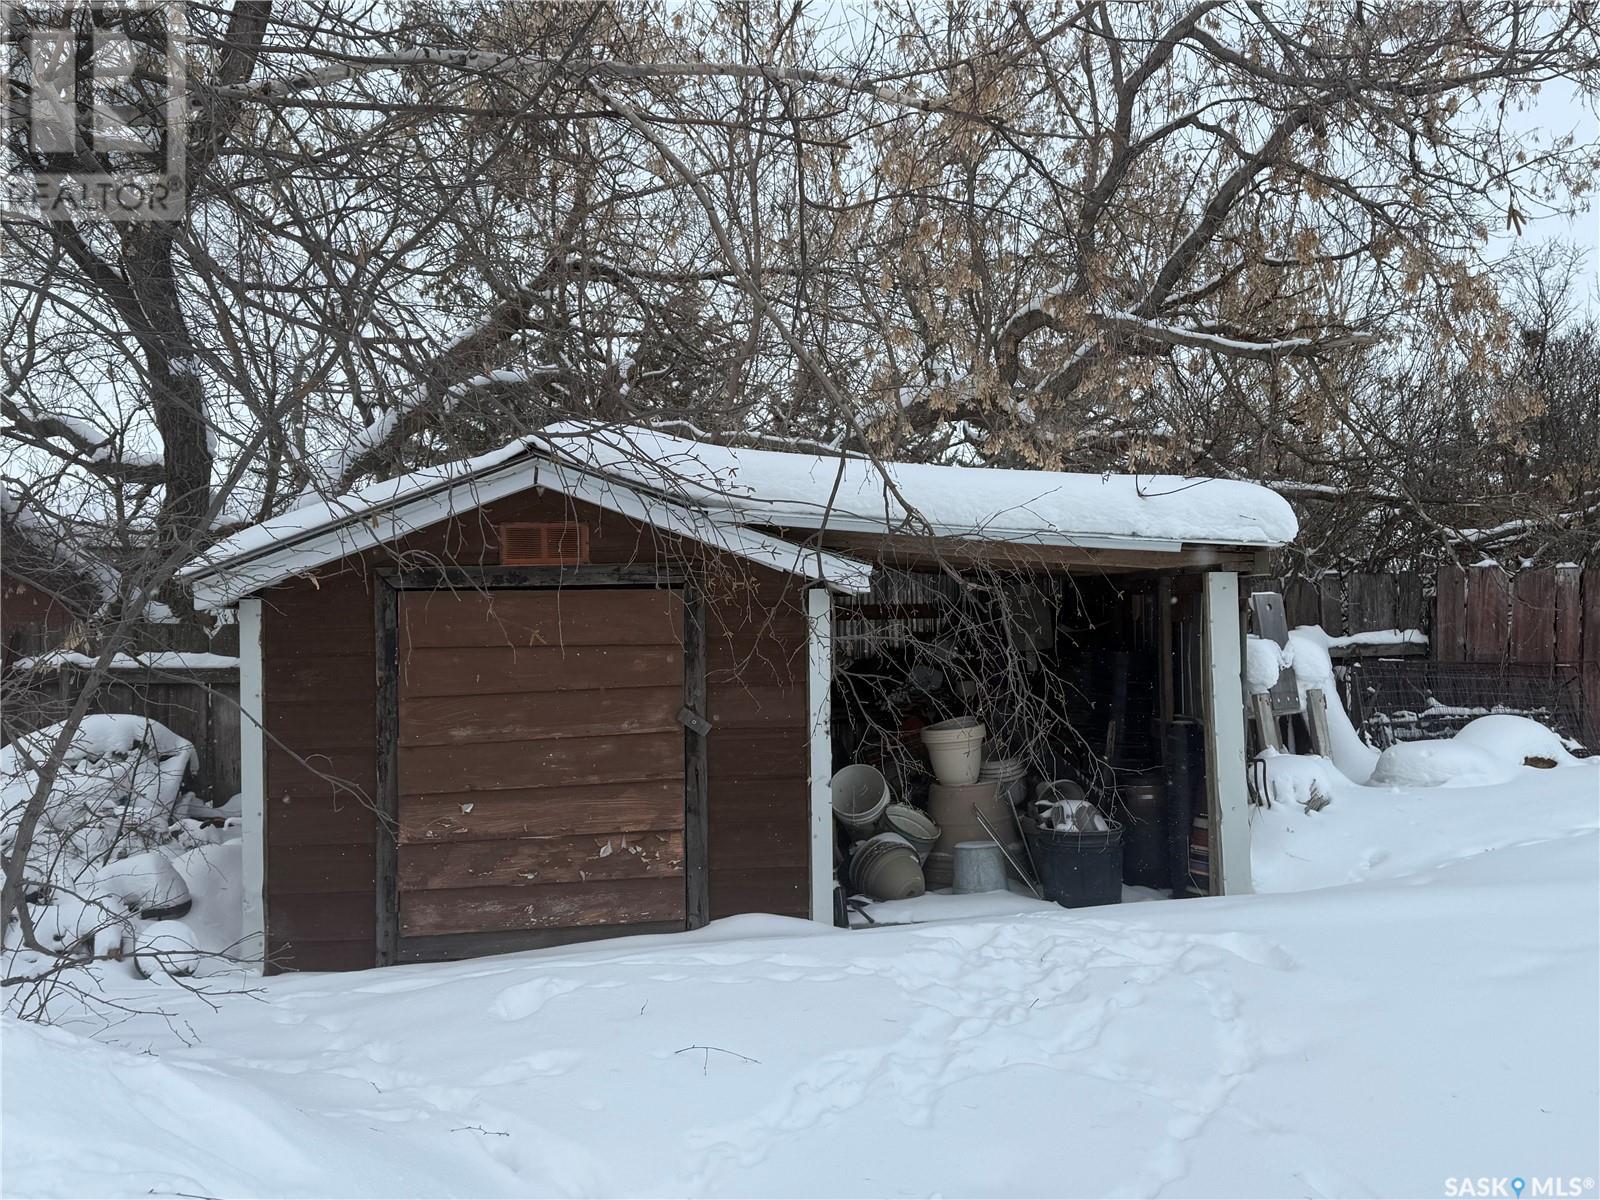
1269	710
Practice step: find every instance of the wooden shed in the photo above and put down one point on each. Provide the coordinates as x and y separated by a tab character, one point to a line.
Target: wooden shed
582	686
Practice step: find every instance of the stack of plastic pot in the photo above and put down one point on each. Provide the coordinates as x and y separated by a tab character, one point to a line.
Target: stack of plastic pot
1010	775
860	795
885	867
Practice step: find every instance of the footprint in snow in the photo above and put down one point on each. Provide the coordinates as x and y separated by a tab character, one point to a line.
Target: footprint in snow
522	1000
542	1065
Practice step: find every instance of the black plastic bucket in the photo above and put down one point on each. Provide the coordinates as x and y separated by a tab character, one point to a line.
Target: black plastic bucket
1077	870
1142	807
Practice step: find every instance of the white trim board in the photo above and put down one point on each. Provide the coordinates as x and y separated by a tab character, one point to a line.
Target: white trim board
1222	689
252	784
819	696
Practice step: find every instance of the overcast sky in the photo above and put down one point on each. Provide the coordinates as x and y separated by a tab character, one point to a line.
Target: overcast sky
1557	112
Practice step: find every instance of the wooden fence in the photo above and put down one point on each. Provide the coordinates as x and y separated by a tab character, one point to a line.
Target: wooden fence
1544	617
201	705
1352	603
1540	623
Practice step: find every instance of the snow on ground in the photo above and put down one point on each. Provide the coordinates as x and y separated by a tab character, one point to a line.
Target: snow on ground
1433	1021
1373	832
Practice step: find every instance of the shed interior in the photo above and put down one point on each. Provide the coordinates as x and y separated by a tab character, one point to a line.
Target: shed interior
1087	684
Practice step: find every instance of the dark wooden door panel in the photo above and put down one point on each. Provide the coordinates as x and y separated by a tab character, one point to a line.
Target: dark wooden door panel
576	859
464	720
540	764
541	906
512	670
571	617
551	762
530	812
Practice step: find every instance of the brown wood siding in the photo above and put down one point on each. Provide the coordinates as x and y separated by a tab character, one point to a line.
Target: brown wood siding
320	701
758	791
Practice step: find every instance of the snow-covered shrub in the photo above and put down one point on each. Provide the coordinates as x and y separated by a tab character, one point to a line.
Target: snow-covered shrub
1444	763
1490	750
117	858
1517	740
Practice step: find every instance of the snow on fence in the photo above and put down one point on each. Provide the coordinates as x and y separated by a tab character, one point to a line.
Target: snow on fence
196	696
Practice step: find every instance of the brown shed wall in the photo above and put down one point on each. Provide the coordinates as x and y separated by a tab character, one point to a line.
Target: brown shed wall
320	701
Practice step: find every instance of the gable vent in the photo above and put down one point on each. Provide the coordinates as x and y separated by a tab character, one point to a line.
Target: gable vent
543	544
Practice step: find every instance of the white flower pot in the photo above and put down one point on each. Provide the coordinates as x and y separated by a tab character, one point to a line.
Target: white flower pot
955	748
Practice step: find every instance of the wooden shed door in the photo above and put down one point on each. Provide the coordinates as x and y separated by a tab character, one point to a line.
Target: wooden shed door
540	767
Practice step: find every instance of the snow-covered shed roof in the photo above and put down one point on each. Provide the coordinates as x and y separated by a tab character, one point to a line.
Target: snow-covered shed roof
813	491
325	531
733	498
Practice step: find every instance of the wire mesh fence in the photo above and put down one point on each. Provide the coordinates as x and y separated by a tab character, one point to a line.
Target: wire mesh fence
1401	700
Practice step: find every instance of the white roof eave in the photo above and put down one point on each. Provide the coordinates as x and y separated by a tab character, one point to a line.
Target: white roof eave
844	523
220	585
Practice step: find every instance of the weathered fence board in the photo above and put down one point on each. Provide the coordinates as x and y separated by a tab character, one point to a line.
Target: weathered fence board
1450	615
1331	588
202	706
1590	671
1533	617
1371	601
1569	614
1354	603
1591	616
1488	614
1302	603
1411	602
